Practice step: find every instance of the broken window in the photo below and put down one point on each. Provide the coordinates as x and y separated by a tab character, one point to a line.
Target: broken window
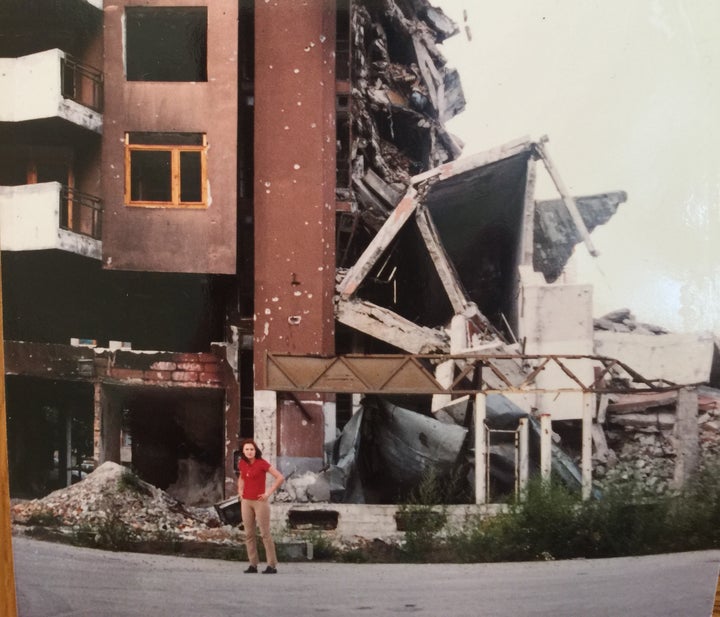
166	44
165	169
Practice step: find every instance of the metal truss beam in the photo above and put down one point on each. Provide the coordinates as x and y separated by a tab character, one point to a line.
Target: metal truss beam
414	374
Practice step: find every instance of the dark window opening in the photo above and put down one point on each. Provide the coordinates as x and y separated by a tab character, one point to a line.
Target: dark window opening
342	40
165	169
166	44
343	158
150	176
313	519
343	409
247	404
190	177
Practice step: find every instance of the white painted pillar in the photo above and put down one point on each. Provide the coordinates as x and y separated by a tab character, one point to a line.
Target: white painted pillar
523	454
545	446
330	420
445	371
481	449
444	375
265	420
356	406
586	457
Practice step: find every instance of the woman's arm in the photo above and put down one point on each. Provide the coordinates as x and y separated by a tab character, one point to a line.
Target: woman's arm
279	479
241	486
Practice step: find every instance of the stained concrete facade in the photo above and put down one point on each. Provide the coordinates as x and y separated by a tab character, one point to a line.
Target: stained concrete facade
152	236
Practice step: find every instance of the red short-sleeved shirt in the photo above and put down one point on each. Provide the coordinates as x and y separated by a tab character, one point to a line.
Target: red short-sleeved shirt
253	476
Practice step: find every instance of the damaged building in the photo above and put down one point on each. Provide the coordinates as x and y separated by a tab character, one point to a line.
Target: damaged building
225	220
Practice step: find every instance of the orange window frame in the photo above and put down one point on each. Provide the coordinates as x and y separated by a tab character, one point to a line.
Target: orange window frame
175	150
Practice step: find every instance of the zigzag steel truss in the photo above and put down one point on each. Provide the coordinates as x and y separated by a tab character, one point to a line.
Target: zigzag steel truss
414	374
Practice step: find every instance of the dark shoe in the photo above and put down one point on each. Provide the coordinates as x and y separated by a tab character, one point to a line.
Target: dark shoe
270	570
251	570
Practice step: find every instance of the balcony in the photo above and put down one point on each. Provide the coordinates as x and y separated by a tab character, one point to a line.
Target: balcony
49	215
51	85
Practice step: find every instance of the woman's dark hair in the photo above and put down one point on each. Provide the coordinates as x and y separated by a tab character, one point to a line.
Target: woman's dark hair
258	453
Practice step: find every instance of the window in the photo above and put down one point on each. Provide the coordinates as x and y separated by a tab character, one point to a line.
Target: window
165	169
166	44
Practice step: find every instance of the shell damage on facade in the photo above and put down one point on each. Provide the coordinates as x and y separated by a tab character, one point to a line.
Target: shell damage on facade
326	273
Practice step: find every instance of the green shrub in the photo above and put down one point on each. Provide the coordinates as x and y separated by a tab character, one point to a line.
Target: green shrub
130	482
44	518
693	518
550	522
323	548
422	521
112	533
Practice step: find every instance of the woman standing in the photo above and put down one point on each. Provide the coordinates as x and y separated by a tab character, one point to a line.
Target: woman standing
254	505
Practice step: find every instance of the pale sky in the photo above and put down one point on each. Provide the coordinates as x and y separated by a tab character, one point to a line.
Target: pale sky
628	92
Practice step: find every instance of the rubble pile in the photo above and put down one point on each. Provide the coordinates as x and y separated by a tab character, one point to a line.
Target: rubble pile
402	94
110	494
622	320
642	441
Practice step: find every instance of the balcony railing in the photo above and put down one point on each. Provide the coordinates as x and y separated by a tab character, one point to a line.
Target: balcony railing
80	213
81	83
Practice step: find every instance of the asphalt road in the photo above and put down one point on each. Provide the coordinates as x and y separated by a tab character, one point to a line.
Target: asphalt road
55	580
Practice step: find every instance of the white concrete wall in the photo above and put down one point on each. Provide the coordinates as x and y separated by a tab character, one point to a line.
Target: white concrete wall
30	221
683	359
556	319
373	521
29	216
33	83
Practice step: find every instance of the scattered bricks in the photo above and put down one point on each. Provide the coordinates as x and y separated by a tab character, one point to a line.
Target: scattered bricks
184	376
158	375
190	366
125	373
163	366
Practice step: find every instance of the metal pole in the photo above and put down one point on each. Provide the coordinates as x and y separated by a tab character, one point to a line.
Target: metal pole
8	602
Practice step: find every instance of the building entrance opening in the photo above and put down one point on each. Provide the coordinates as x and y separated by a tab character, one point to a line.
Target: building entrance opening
173	440
50	434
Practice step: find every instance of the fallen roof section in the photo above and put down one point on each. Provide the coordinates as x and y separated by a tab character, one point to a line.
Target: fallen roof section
555	233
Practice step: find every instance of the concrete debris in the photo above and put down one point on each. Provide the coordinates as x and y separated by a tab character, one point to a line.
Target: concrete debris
555	233
402	93
104	497
622	320
643	437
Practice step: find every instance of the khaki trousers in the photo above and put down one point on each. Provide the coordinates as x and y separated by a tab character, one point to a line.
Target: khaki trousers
257	514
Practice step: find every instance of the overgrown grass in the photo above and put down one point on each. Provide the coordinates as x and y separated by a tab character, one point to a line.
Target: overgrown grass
110	533
422	520
549	522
